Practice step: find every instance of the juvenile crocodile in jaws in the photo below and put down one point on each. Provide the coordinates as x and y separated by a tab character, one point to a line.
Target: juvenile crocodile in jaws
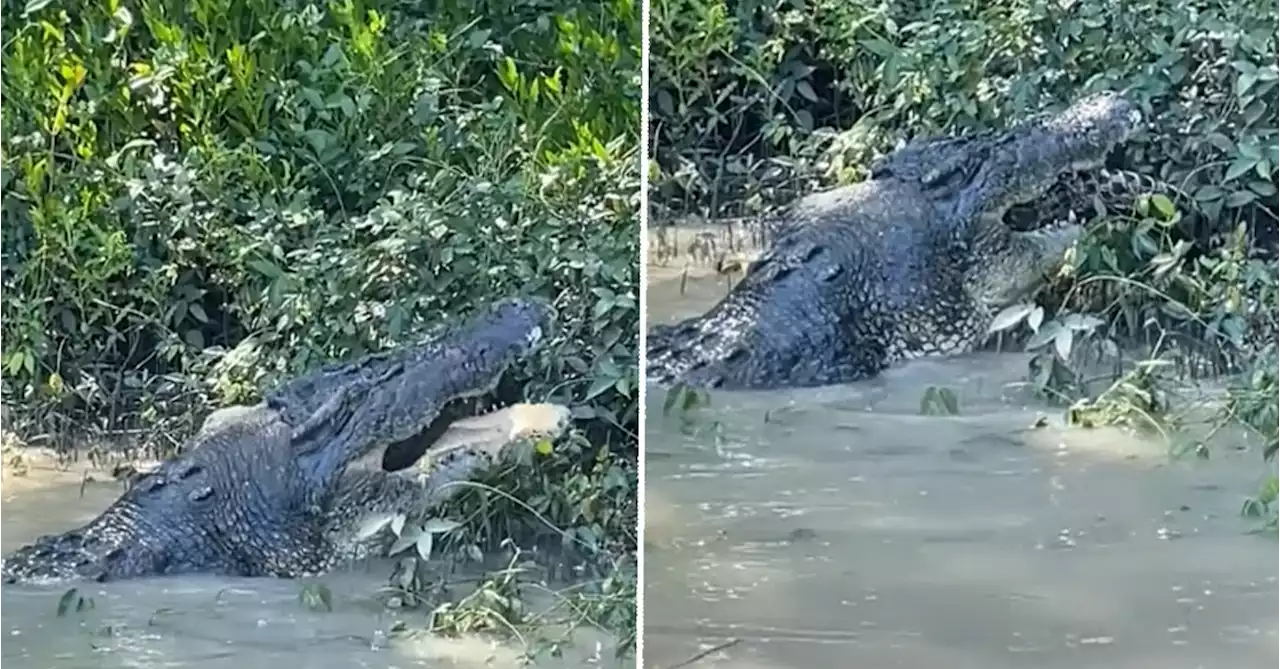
913	262
283	488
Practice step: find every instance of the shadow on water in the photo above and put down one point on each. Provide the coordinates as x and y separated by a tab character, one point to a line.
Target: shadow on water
210	622
839	527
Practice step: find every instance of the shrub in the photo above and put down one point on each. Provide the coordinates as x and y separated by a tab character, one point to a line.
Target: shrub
751	101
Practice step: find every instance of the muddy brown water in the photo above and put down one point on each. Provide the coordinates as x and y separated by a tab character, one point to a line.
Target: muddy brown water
838	527
207	622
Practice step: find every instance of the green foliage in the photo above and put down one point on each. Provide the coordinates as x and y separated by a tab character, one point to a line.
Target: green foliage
939	401
573	507
752	102
307	182
202	199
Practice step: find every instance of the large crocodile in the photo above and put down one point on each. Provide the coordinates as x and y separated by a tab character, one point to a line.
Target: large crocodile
913	262
285	488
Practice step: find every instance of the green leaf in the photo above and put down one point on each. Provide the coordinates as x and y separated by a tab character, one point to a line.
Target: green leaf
316	596
1262	188
672	398
479	37
1062	342
1240	198
1010	316
665	104
266	268
1208	193
602	307
440	525
1081	322
405	540
64	602
372	526
1251	508
950	402
1035	318
1244	82
1163	205
939	401
1250	148
1238	168
198	311
508	74
1043	336
34	6
424	544
879	47
598	386
805	119
806	91
16	361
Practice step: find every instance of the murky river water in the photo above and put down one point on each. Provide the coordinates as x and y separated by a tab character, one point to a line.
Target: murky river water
215	623
840	528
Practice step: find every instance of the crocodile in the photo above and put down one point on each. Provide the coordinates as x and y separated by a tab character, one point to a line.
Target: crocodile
915	261
288	487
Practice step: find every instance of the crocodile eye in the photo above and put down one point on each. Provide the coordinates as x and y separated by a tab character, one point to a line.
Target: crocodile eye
149	483
185	470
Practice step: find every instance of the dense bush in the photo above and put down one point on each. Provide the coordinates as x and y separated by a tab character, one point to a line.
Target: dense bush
202	198
751	98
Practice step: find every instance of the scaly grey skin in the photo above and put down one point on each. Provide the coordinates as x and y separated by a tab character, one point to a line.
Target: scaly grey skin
911	263
267	491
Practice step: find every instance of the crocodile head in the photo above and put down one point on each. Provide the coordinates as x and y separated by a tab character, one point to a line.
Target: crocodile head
980	177
254	493
405	398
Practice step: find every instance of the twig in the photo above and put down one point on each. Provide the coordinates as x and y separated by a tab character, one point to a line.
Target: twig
698	656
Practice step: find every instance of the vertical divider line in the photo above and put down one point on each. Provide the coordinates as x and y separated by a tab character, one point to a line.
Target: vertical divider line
644	326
